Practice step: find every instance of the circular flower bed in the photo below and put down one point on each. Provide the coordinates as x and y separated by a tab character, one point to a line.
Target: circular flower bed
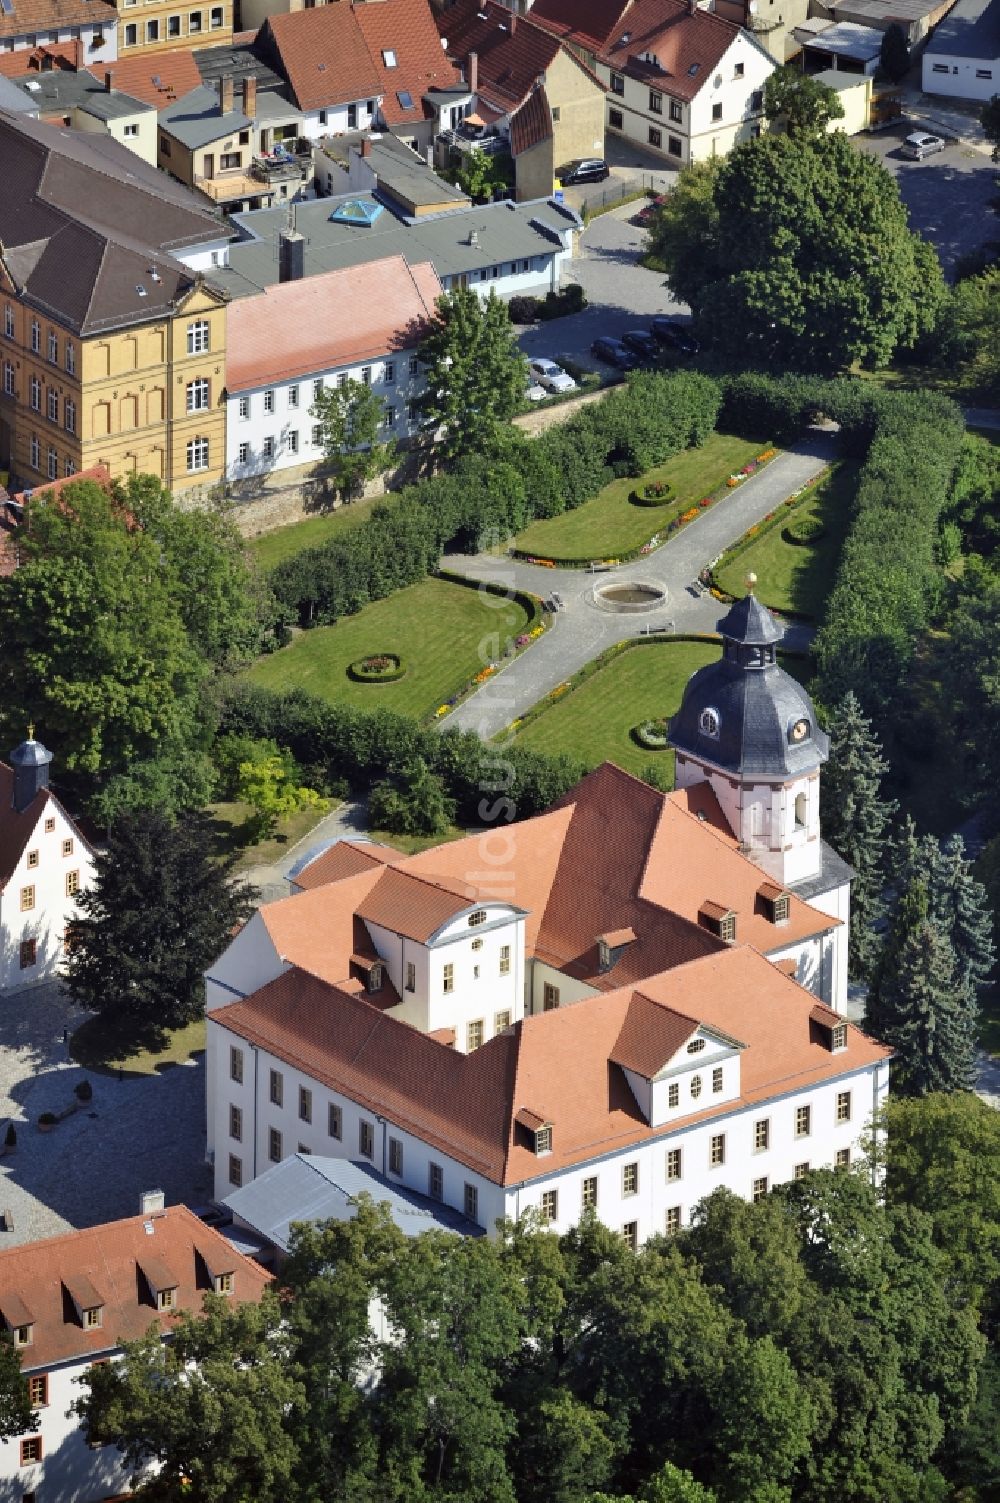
805	532
651	735
377	668
658	493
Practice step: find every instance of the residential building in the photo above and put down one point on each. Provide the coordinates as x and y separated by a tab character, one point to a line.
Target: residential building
362	323
543	99
239	148
358	67
841	47
625	1023
158	25
962	58
112	343
45	862
383	169
84	29
158	79
500	247
84	102
681	80
72	1301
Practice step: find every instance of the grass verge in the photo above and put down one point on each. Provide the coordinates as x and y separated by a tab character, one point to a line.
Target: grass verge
102	1049
284	542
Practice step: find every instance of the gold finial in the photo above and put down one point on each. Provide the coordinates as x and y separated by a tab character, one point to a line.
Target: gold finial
31	730
751	583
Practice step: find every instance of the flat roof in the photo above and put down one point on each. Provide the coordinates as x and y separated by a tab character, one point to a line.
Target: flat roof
63	90
970	29
499	232
847	39
235	60
398	166
884	12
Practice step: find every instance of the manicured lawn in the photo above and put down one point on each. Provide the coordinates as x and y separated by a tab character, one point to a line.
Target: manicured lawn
272	547
644	683
232	833
610	524
444	633
791	577
96	1047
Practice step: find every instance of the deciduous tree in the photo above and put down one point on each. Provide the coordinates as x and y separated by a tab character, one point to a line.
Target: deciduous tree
351	419
16	1416
475	373
413	802
802	105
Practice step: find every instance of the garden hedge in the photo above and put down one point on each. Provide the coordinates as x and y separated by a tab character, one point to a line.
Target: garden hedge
391	674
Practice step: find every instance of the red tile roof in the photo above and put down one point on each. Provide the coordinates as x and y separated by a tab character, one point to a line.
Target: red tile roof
588	23
415	906
176	71
54	15
406	27
101	1265
338	318
687	45
98	473
513	52
531	123
60	57
343	859
323	55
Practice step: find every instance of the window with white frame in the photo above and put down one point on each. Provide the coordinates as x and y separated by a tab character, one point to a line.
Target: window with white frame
197	395
243	407
34	452
8	320
35	394
803	1121
53	465
674	1163
53	405
70	357
69	415
197	455
8	379
36	336
550	1205
389	372
293	396
198	337
267	447
761	1135
269	401
630	1179
244	454
292	441
334	1121
53	347
843	1106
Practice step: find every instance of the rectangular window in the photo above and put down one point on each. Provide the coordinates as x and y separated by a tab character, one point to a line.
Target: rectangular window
173	30
28	952
555	113
616	120
8	320
366	375
761	1135
267	447
269	401
229	161
276	1088
215	18
27	899
366	1140
53	464
224	1283
35	394
8	379
550	997
840	1036
38	1390
293	441
842	1158
34	452
70	358
52	406
449	978
738	70
69	468
501	1021
676	113
166	1299
31	1450
589	1195
655	137
197	395
471	1202
388	415
843	1106
617	84
317	390
389	372
505	960
69	415
36	336
717	1150
435	1182
674	1163
414	365
131	35
334	1121
716	111
716	1080
760	1188
757	99
474	1035
317	436
293	396
630	1179
800	1171
672	1221
32	858
194	21
244	407
673	1094
152	31
630	1231
236	1124
550	1205
197	455
305	1104
72	883
395	1156
274	1146
411	976
197	337
50	825
803	1121
655	102
243	454
236	1064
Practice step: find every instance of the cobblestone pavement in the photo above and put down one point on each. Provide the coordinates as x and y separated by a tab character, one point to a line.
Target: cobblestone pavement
582	630
140	1132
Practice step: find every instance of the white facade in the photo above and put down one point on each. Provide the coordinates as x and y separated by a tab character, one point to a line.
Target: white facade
205	255
728	108
69	1466
337	119
958	77
98	40
39	898
269	1132
270	428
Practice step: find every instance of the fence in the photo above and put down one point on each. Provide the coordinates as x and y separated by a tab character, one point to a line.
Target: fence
614	192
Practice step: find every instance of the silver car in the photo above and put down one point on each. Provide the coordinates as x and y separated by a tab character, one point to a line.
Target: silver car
550	375
921	145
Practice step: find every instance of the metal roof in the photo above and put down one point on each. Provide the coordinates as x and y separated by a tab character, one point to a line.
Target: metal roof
970	29
197	121
456	242
64	90
847	39
309	1188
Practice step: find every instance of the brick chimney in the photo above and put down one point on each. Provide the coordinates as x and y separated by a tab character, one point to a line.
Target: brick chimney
366	147
473	72
226	94
513	22
108	82
250	97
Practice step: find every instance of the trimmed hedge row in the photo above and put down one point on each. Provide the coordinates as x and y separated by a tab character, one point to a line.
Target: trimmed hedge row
488	497
888	583
361	673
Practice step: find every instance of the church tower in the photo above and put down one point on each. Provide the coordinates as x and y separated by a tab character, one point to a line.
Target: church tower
749	729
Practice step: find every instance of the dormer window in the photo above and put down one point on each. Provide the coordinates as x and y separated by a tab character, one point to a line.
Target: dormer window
93	1317
603	955
223	1283
840	1037
828	1028
166	1299
477	918
543	1140
538	1129
375	978
23	1335
774	901
718	920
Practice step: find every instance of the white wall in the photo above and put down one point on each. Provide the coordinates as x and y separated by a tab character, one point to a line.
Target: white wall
335	119
105	51
961	77
69	1468
249	961
143	142
837	903
204	256
46	921
570	990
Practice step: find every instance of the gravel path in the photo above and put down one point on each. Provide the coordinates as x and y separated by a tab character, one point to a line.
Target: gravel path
582	629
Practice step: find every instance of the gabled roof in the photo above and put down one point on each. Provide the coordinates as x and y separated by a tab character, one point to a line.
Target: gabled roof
687	45
344	858
102	1265
57	56
513	52
159	80
196	119
587	23
323	55
407	29
341	317
415	906
531	122
16	829
26	16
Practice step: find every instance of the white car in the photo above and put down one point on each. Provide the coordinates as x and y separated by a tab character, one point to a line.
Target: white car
921	145
536	393
550	375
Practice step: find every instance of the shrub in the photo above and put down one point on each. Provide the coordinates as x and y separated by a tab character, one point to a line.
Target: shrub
805	532
651	735
523	310
377	668
657	494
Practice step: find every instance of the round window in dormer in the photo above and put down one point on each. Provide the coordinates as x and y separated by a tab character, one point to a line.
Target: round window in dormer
708	722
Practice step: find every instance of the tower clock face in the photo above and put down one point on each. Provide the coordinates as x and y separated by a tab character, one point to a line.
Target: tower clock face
800	730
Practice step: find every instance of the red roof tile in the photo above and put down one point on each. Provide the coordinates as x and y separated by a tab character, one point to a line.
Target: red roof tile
323	55
337	318
510	62
589	23
531	123
61	57
100	1266
344	859
406	27
98	473
17	829
687	45
415	906
175	69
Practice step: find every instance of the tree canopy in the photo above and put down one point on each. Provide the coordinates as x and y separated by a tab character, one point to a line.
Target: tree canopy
801	104
351	422
475	373
795	250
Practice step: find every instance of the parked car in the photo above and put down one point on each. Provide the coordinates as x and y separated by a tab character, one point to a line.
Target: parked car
535	393
921	145
583	170
613	352
647	213
675	336
550	375
642	343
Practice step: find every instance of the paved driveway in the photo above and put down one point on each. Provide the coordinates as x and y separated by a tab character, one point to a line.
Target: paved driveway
948	195
582	629
139	1133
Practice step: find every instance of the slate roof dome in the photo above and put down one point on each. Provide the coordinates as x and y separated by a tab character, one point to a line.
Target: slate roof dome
743	713
30	753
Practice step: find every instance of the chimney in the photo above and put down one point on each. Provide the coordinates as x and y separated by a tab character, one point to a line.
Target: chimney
226	94
250	97
513	22
366	147
30	762
151	1201
108	82
473	72
291	256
